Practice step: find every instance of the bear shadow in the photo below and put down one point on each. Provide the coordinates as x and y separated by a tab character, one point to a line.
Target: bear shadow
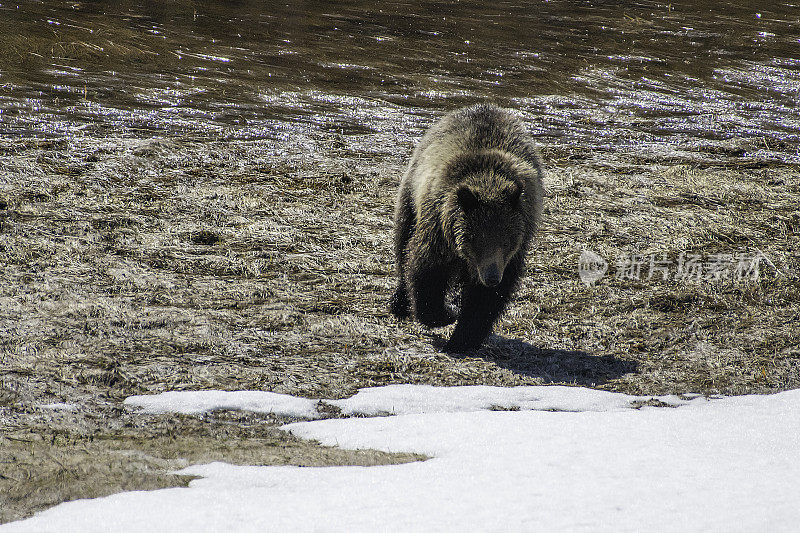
551	365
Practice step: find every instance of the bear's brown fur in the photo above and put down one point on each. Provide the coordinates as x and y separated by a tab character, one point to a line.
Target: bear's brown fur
466	210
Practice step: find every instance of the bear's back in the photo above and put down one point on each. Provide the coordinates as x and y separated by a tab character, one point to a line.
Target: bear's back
482	127
466	131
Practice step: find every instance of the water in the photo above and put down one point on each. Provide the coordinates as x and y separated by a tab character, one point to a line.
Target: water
649	77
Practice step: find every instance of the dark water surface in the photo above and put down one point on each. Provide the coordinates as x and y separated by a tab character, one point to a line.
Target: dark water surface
644	76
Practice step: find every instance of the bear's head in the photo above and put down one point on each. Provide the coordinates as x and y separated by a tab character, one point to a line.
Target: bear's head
488	226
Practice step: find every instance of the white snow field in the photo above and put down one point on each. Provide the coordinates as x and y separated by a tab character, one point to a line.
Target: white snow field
571	459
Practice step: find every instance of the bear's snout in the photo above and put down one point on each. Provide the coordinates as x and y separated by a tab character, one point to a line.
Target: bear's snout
490	275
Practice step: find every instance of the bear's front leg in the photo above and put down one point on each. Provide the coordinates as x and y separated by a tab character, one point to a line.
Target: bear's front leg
427	288
480	307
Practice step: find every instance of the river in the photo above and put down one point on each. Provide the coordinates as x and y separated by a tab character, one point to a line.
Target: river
645	77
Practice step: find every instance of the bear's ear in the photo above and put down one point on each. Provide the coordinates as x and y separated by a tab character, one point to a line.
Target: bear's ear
466	198
514	195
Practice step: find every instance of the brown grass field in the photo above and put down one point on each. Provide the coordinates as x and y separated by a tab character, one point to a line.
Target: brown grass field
136	266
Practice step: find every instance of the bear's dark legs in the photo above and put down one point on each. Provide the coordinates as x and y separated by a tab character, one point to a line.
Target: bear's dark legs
427	290
480	307
403	230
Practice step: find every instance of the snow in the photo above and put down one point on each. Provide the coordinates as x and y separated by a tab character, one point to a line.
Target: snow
586	463
412	399
59	406
396	400
196	402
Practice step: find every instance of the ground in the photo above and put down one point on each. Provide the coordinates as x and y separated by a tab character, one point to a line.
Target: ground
135	266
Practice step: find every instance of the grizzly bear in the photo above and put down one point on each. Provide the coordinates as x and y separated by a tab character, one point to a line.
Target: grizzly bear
466	210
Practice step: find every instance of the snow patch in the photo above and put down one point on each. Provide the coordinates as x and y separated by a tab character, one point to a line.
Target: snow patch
401	400
411	399
196	402
59	406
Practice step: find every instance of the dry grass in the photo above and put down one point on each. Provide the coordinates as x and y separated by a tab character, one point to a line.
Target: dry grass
137	266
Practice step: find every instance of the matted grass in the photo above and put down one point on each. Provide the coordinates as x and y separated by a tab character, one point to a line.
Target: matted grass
137	266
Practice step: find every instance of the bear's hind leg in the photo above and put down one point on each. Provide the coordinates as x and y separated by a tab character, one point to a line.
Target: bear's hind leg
403	231
399	304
